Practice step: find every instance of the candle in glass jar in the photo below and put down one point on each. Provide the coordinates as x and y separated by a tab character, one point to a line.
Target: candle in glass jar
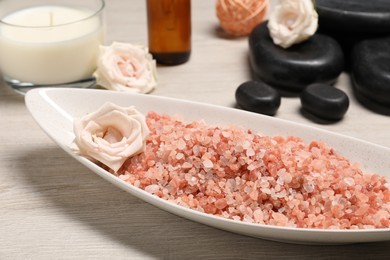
50	44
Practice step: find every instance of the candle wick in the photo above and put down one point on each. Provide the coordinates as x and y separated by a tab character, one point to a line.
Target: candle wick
50	18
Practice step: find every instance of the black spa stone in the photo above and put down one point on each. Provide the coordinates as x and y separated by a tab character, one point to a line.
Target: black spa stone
356	16
347	40
370	69
324	101
317	60
257	96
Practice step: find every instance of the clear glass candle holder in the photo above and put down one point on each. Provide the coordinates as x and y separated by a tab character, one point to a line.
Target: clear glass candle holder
50	42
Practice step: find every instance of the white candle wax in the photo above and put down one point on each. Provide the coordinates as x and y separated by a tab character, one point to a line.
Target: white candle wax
51	45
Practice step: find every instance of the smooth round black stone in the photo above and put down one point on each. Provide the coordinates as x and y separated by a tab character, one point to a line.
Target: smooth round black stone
324	101
359	16
317	60
257	96
347	41
370	69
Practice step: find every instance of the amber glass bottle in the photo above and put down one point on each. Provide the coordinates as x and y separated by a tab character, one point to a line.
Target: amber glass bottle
169	30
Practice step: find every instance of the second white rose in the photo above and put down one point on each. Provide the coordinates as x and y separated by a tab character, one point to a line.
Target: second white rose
126	67
292	21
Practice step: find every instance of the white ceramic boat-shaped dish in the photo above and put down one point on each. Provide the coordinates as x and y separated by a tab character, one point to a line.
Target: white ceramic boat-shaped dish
54	110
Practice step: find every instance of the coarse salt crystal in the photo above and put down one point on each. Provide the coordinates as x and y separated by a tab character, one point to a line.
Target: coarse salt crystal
237	218
258	215
216	139
181	145
266	190
208	164
248	219
251	167
124	177
221	203
246	144
309	187
250	152
226	134
280	181
179	156
152	188
186	165
349	181
362	210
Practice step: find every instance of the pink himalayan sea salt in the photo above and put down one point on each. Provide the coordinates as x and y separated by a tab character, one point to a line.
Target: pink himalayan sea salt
236	174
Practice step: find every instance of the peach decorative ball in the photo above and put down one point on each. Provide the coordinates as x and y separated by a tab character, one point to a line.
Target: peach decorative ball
239	17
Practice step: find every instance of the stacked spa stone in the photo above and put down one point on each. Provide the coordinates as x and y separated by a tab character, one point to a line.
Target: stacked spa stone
363	29
352	36
307	69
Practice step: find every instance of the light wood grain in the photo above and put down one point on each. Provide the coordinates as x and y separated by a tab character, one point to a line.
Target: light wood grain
51	207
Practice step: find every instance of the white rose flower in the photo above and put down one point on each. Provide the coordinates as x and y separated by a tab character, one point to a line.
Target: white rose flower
111	134
126	67
292	21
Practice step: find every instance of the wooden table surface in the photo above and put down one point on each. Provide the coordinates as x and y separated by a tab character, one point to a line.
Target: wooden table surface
51	207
